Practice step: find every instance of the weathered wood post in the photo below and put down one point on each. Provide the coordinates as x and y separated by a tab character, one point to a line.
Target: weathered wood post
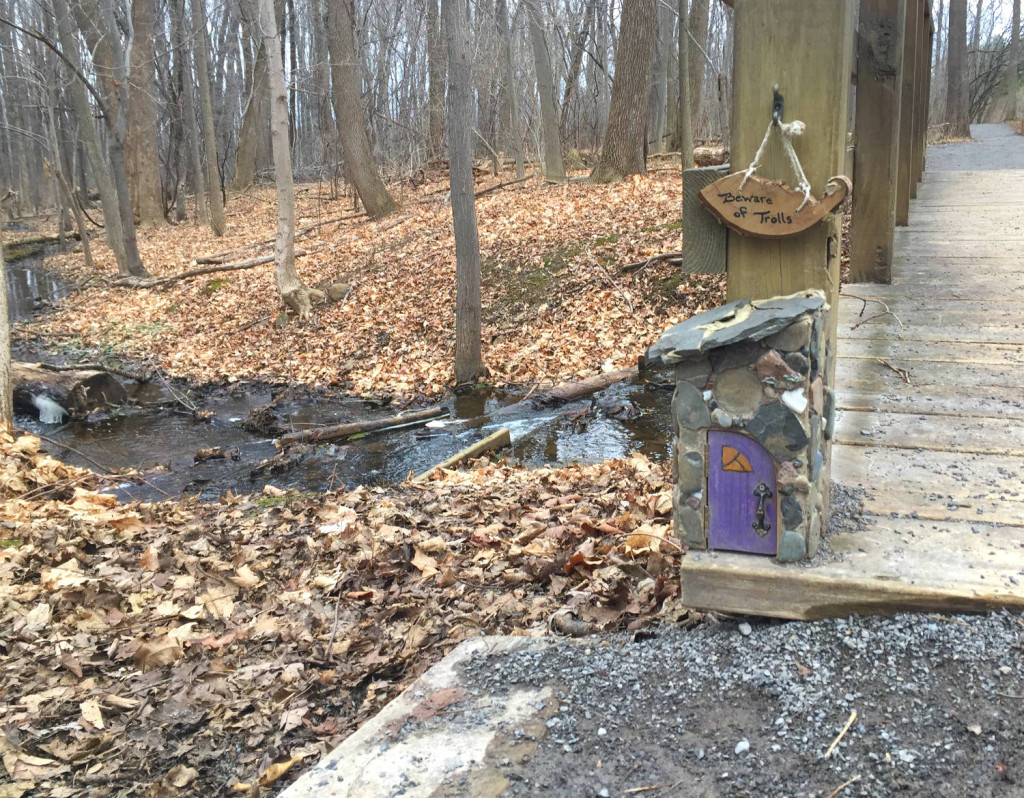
921	70
908	100
876	138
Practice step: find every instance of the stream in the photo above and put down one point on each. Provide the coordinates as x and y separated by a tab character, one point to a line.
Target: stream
161	440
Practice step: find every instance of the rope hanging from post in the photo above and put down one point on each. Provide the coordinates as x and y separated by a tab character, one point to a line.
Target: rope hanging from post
787	131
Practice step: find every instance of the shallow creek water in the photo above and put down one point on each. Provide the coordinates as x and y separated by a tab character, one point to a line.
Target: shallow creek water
162	441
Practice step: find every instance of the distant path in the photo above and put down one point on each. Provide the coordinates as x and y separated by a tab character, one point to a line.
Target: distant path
994	147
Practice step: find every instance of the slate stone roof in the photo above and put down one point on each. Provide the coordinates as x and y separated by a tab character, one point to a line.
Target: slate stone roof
742	320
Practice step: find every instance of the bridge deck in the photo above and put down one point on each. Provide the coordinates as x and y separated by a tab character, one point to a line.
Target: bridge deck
930	392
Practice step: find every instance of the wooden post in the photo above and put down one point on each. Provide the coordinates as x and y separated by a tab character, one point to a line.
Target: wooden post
904	175
921	94
929	45
879	85
806	46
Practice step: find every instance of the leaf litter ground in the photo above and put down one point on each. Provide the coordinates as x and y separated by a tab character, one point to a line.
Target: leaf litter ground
557	306
186	648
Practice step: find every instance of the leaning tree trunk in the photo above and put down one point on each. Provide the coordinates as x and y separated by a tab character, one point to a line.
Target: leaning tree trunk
209	131
469	363
348	110
623	150
553	167
1011	64
293	292
143	159
957	109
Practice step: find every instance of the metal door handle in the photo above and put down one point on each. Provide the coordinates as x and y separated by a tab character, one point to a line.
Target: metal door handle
761	526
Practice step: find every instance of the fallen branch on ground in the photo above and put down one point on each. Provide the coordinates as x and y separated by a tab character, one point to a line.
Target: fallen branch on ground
643	264
615	285
134	282
356	427
219	257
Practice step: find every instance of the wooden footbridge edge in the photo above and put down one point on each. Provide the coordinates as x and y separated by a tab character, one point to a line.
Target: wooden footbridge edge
872	572
737	585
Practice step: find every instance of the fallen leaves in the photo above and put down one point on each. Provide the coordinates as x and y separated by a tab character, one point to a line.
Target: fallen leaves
232	642
551	312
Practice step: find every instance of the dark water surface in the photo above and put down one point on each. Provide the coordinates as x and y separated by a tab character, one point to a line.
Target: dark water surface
161	439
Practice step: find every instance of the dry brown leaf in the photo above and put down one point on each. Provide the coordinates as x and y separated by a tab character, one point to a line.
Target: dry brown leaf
277	770
91	712
157	653
150	559
425	564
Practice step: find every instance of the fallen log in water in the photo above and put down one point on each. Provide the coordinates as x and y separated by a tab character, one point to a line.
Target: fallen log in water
356	427
54	394
493	442
577	390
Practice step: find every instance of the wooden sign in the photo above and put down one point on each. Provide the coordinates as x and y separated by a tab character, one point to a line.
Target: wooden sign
769	208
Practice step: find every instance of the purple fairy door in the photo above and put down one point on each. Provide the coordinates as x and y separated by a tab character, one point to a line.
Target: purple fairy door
742	496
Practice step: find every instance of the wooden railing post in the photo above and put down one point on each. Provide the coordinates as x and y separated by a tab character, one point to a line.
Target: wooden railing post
921	70
805	46
905	173
876	138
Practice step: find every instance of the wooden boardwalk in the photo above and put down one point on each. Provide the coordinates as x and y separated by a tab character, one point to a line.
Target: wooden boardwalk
930	426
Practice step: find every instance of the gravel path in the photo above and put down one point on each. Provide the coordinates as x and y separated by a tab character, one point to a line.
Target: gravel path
994	147
751	708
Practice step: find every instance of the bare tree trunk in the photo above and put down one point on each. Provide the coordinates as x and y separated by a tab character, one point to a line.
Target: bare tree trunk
623	150
469	364
685	120
553	167
348	110
6	389
87	130
575	64
141	147
209	130
658	114
695	54
957	113
293	292
253	121
514	128
436	76
1011	64
189	113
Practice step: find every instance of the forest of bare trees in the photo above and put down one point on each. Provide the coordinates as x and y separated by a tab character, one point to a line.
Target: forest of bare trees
156	109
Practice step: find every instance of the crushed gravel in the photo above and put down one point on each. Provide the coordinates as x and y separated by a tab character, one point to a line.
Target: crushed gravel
718	712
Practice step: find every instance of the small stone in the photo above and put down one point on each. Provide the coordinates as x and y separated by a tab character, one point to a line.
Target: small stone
829	414
695	372
690	472
787	472
745	629
795	400
817	396
742	747
692	523
794	337
779	430
792	513
720	418
603	793
282	319
792	547
601	732
816	464
738	391
771	365
316	296
866	432
797	362
688	407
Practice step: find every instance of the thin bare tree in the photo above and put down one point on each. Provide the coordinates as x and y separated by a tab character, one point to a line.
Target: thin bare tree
469	363
293	291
